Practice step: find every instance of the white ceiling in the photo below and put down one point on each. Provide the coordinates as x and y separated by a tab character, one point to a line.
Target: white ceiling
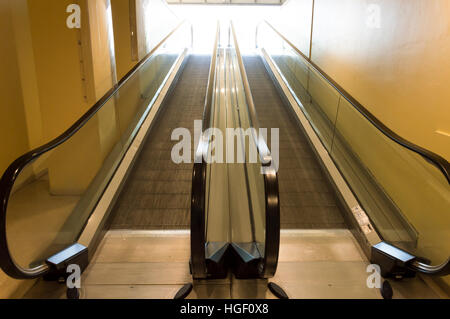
248	2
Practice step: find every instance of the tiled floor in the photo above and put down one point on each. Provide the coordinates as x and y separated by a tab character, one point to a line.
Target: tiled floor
154	264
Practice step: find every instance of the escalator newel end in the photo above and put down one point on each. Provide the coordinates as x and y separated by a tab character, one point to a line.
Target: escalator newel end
393	262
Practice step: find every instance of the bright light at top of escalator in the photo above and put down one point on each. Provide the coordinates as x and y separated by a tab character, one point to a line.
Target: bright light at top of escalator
204	19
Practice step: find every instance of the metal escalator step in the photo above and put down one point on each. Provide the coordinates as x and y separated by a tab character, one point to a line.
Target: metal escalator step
306	197
157	193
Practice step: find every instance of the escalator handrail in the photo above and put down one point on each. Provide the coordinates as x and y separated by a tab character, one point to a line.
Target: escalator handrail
7	262
442	164
206	124
432	270
263	150
198	192
272	199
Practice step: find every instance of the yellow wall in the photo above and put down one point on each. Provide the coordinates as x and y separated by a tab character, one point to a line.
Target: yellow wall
58	69
63	95
102	54
102	46
122	37
399	69
27	68
13	130
74	68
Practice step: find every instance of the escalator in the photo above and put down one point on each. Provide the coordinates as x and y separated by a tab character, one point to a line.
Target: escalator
58	200
235	201
124	181
384	183
132	183
307	199
157	193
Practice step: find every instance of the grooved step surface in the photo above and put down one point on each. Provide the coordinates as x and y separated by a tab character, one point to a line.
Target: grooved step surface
306	198
157	192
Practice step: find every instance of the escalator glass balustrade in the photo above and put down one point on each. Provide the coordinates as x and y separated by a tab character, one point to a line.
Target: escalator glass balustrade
48	195
403	188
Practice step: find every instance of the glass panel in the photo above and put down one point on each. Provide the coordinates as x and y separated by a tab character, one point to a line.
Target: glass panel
406	197
53	197
419	217
319	101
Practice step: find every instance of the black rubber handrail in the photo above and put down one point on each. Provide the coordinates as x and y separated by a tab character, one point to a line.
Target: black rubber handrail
198	192
7	262
269	263
441	163
432	270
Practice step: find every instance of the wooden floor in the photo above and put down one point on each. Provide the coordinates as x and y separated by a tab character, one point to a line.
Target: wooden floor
307	200
154	264
157	193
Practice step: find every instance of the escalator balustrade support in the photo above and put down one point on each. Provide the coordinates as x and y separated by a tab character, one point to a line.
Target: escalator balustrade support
396	263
